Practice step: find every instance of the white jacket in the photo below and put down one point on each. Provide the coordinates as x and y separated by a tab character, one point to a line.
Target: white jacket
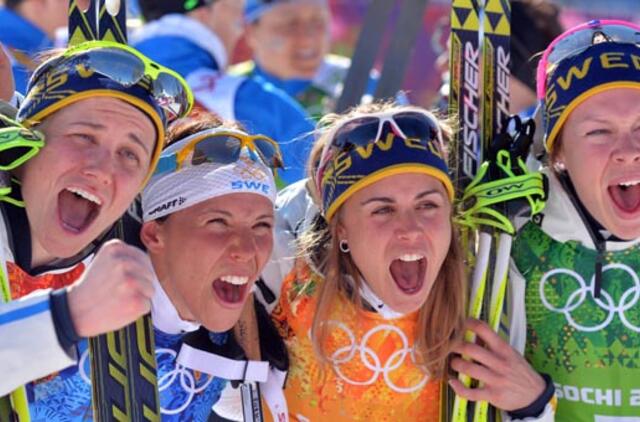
29	347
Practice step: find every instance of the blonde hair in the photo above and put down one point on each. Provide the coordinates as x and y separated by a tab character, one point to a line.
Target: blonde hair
440	318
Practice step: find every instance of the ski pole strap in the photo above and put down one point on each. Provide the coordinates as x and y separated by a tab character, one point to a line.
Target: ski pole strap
17	143
482	197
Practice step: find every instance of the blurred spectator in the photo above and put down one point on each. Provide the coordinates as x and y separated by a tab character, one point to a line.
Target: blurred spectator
28	27
290	41
196	38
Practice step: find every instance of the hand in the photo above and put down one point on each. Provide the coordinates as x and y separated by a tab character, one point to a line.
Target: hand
7	86
510	383
115	290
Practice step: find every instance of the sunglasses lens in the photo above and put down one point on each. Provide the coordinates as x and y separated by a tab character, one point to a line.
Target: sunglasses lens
358	132
171	95
416	125
221	149
166	164
582	39
118	65
269	152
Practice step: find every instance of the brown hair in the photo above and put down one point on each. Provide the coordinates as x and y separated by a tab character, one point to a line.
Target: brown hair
197	121
440	318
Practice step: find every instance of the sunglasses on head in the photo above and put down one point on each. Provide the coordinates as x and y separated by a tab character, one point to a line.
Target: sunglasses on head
363	130
128	67
220	146
579	39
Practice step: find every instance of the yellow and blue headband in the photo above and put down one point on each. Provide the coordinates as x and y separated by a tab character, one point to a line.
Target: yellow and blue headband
603	66
351	168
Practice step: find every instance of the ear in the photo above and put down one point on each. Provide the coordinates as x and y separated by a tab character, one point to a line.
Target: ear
152	236
341	230
559	160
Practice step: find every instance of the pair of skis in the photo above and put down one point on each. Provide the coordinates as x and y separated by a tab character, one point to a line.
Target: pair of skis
491	168
123	366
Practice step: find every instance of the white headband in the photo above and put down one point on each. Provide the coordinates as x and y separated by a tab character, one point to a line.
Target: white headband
169	192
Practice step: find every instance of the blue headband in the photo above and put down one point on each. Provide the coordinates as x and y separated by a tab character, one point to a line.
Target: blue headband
355	168
603	66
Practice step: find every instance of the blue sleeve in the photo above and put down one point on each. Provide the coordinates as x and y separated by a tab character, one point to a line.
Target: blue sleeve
263	108
176	53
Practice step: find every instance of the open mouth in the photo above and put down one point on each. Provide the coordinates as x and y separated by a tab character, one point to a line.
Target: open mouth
231	289
77	209
626	195
408	272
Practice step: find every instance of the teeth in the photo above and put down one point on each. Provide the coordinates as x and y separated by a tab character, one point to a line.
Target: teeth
629	183
86	195
410	257
235	279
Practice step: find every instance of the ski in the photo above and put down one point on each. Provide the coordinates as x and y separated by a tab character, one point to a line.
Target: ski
400	48
123	374
495	45
465	102
480	97
123	367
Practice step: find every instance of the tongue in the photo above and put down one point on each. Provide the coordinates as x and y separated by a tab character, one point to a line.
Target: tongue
628	199
228	292
75	211
406	274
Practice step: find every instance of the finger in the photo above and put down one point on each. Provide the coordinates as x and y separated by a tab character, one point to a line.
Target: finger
480	355
472	394
135	255
490	338
473	370
140	282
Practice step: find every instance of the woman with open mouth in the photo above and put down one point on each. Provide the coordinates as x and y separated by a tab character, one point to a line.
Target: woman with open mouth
577	264
375	301
82	145
208	228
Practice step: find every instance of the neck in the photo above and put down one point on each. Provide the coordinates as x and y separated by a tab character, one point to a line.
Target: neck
39	256
162	273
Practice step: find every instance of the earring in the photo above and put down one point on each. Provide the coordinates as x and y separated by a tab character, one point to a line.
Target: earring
344	246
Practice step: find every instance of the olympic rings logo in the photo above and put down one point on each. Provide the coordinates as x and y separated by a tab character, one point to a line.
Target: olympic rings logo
187	381
584	296
371	360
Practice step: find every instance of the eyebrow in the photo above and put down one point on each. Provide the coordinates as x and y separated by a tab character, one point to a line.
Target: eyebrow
98	126
388	200
217	211
266	216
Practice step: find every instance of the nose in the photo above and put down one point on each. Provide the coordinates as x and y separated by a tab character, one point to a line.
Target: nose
99	166
243	247
627	150
408	226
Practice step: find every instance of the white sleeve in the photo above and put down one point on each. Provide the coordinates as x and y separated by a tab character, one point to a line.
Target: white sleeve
516	309
29	348
518	333
280	264
292	206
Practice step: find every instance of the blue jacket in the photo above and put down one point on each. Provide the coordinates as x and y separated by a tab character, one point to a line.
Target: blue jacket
191	49
317	95
22	40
